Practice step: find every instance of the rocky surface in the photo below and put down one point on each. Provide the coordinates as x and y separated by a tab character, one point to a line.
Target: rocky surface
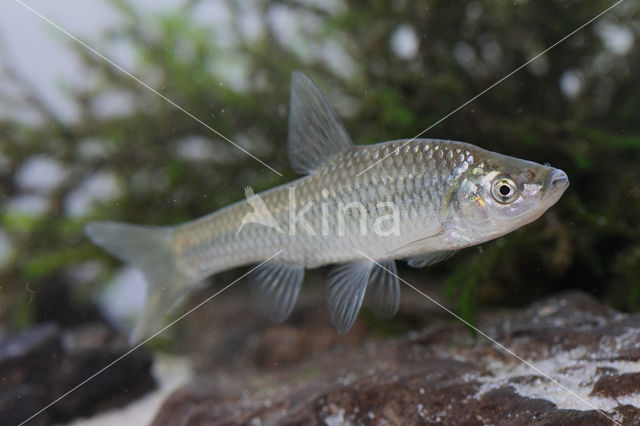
583	369
43	363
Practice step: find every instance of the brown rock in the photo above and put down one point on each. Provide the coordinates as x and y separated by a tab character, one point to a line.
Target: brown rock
299	374
43	363
613	386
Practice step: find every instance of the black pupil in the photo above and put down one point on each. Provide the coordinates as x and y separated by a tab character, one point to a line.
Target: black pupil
505	190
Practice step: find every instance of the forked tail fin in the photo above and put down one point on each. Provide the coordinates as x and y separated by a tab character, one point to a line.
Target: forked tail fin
151	250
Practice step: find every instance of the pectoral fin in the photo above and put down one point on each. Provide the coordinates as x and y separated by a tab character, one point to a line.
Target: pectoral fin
346	287
429	259
416	246
276	289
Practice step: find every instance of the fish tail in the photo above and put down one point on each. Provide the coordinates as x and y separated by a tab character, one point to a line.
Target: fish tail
151	250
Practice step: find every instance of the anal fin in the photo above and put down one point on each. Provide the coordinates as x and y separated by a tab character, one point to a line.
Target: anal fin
276	288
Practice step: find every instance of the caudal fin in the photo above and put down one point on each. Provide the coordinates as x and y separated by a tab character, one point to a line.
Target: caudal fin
151	250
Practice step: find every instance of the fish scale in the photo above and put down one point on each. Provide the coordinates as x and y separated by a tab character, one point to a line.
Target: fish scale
210	244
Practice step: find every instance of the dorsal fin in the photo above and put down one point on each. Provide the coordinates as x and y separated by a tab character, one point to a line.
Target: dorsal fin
315	131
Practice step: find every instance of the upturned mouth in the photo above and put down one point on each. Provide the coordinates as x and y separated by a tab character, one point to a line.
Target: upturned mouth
557	180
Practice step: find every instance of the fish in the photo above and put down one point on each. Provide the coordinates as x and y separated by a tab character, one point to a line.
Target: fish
357	208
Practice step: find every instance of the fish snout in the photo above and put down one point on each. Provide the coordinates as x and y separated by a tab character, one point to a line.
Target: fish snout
557	179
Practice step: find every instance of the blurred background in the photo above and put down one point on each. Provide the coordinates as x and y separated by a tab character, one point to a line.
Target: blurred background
80	140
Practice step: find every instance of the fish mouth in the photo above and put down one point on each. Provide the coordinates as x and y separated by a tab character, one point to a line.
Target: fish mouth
557	180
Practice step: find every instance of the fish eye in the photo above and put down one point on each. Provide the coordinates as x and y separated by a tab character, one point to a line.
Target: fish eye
504	190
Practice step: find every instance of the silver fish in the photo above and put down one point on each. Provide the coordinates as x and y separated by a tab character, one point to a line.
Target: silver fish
419	200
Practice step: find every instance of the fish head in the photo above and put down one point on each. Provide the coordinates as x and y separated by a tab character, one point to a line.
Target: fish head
499	194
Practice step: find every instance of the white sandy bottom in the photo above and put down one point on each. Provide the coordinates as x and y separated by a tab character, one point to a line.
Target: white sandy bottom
571	370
